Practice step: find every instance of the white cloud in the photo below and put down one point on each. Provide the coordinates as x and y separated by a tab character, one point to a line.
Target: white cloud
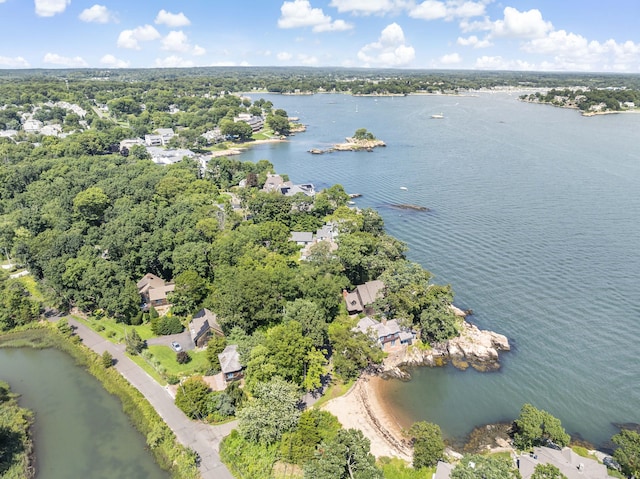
516	24
130	38
56	59
390	49
474	42
176	41
113	62
49	8
284	56
173	61
14	62
172	20
299	14
429	10
369	7
448	10
499	63
96	14
307	60
450	59
571	51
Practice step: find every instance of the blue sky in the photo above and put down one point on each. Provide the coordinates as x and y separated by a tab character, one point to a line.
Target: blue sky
549	35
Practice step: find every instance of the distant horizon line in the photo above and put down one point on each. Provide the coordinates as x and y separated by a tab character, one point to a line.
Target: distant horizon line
320	68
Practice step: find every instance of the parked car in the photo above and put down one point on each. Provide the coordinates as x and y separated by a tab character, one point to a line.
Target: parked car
611	463
176	346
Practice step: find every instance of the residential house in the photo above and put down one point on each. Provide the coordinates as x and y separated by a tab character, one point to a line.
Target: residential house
255	122
230	363
213	136
202	326
363	296
32	126
276	183
387	334
153	291
153	140
129	142
51	130
168	157
165	134
302	238
307	239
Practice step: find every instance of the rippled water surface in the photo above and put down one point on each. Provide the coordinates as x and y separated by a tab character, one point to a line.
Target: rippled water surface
534	222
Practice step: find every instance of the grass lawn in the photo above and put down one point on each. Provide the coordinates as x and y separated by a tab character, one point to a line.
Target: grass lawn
166	357
335	389
394	468
114	332
148	368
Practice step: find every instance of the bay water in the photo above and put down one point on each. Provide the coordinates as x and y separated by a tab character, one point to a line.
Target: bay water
80	429
534	221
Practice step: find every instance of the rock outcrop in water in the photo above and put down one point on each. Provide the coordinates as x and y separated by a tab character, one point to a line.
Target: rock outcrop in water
473	347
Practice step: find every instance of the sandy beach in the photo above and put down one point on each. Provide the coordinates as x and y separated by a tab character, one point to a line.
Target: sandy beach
361	408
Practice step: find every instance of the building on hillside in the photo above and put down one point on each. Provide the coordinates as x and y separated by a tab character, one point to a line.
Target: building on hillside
161	156
203	325
361	298
153	291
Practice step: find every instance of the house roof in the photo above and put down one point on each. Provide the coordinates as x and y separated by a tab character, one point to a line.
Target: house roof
230	359
380	330
203	320
363	295
301	236
370	291
149	281
156	294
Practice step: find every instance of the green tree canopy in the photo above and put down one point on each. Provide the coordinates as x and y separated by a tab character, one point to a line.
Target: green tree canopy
547	471
272	412
192	396
428	445
535	427
346	456
628	452
485	467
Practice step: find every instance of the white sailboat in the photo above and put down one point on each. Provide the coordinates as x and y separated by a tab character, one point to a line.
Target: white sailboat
437	116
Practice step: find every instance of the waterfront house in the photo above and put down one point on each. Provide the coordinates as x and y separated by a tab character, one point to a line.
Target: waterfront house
387	333
275	183
363	296
153	291
202	326
230	363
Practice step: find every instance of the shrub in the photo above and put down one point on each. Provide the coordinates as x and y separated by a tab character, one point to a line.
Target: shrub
107	359
183	357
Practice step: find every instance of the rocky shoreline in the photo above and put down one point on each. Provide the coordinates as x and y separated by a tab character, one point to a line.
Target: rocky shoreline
474	348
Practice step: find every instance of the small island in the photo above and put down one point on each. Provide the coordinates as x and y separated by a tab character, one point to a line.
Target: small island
362	140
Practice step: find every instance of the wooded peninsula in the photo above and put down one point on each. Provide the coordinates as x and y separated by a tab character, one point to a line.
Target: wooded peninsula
116	208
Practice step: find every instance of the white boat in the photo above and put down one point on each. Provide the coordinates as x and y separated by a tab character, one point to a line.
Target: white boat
437	116
404	188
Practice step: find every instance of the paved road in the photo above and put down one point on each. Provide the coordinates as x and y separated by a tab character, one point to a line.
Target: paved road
202	438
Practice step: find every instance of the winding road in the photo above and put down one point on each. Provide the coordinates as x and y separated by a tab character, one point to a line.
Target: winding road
202	438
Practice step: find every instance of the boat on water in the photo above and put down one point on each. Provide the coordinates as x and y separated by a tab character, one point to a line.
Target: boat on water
437	116
404	188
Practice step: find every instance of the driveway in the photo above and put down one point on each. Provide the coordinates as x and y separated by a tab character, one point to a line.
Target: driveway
183	338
